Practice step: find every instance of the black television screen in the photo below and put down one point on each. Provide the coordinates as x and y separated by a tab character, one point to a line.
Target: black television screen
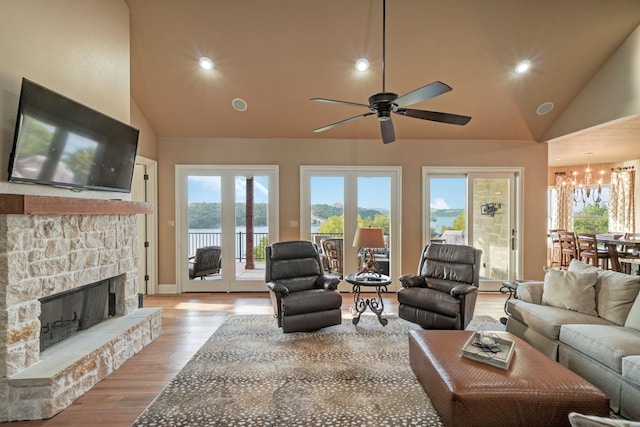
61	142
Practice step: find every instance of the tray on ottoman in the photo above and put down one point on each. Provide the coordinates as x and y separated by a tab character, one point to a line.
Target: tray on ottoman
534	391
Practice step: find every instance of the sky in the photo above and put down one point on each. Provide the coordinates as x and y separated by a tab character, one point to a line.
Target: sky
373	192
207	189
448	193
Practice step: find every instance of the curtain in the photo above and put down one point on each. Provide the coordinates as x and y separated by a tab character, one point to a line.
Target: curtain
621	212
564	202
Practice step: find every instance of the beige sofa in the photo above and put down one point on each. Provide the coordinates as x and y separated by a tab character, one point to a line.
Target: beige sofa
588	320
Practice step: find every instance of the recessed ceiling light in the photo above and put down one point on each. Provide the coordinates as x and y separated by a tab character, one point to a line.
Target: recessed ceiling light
544	108
239	104
206	63
362	64
523	66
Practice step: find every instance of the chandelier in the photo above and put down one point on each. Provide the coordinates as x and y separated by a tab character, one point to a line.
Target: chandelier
587	187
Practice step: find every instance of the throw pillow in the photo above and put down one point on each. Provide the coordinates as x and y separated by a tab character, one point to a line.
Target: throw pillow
633	319
615	292
571	290
576	265
579	420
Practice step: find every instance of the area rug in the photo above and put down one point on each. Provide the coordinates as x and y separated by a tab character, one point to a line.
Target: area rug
249	373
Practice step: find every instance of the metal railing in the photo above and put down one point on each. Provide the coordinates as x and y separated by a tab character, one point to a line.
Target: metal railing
198	240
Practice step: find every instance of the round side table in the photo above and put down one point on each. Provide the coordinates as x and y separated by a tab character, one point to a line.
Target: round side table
376	304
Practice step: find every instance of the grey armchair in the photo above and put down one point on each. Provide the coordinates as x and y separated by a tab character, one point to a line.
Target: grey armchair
304	298
443	294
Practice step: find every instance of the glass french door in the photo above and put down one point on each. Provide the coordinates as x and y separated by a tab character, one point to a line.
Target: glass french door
478	208
234	208
335	201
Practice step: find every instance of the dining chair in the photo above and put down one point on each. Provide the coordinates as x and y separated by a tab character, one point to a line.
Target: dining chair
628	252
589	252
555	257
568	248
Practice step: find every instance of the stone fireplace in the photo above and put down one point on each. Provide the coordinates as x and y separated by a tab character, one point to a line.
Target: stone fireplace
65	314
53	246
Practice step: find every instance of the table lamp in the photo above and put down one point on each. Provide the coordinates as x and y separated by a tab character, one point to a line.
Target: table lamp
369	238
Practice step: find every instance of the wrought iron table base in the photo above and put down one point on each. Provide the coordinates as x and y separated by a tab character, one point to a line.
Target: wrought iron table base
510	289
374	303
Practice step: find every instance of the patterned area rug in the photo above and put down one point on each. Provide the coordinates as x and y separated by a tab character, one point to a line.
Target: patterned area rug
249	373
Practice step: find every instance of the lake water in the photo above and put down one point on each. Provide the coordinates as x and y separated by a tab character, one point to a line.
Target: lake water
441	221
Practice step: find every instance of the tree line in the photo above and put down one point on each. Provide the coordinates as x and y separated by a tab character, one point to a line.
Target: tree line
209	215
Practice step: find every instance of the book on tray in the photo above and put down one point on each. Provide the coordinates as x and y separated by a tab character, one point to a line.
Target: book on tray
489	348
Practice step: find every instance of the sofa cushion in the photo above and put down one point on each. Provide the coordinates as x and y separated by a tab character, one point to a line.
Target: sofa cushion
310	301
633	319
546	320
631	369
571	290
430	300
606	344
615	292
578	420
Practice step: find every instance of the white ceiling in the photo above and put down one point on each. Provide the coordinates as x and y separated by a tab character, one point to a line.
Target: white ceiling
278	54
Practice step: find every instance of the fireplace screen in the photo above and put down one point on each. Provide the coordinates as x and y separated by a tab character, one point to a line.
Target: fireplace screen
64	314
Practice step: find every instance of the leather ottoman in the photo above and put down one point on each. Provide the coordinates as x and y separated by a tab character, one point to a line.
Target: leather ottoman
534	391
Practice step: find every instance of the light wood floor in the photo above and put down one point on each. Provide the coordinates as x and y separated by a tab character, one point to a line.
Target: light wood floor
188	320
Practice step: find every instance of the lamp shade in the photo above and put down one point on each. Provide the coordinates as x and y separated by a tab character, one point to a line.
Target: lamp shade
369	238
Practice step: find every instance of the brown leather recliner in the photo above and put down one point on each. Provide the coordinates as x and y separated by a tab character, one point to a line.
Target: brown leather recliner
304	298
443	294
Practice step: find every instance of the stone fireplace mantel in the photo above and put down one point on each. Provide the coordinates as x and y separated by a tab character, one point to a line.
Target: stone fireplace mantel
50	245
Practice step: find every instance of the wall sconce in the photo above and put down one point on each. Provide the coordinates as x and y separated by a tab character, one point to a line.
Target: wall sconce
490	208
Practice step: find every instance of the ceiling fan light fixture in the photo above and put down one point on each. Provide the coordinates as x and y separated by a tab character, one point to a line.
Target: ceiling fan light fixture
383	116
523	66
383	103
205	63
362	64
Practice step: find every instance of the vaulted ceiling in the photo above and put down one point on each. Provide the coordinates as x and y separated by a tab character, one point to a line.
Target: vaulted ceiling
277	54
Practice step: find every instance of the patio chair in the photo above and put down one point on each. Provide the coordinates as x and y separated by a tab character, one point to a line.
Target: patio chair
332	249
206	261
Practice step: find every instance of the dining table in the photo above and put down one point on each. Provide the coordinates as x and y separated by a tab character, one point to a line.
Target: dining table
612	242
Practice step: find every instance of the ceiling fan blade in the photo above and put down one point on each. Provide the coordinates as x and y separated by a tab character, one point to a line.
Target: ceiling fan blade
333	101
422	94
388	134
435	116
341	122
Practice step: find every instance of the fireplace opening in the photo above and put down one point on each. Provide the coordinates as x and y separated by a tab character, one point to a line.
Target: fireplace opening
65	314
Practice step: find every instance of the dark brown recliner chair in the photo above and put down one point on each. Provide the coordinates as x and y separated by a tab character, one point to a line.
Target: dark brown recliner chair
206	261
304	299
443	294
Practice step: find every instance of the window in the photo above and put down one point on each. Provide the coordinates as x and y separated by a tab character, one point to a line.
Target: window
589	216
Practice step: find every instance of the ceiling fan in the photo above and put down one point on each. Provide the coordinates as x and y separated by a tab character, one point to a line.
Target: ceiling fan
382	104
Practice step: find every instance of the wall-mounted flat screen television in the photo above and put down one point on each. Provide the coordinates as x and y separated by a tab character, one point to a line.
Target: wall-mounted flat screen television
63	143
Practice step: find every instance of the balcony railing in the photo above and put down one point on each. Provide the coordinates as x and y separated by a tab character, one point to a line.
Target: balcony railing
198	240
